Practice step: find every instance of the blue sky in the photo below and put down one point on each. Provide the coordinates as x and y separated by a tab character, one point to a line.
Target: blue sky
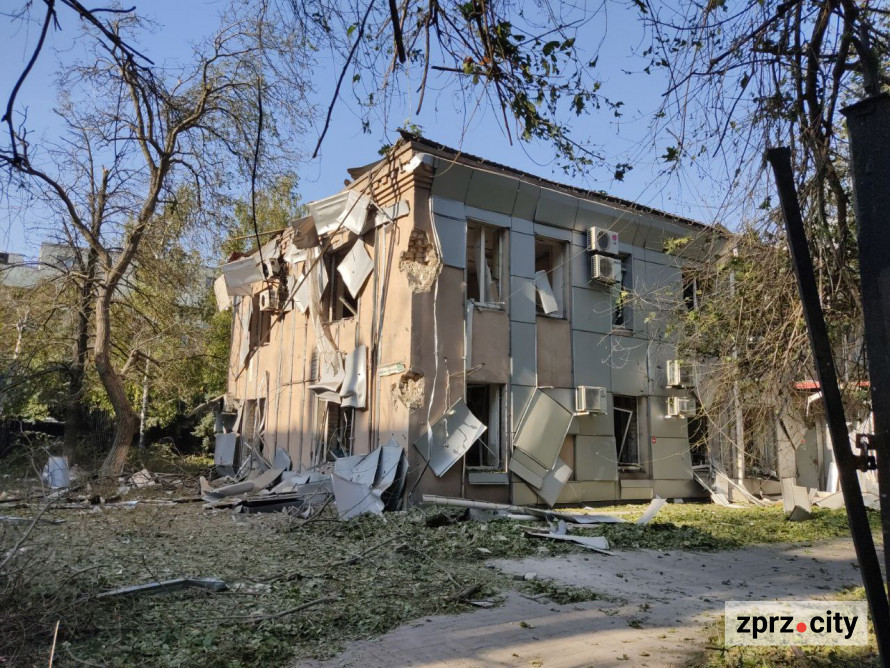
443	118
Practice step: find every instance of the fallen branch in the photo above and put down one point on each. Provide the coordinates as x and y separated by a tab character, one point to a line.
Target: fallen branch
290	611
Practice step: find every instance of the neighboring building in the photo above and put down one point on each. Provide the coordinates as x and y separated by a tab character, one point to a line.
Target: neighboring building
447	294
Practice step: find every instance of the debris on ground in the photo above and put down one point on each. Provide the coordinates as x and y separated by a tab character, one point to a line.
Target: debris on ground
165	586
796	501
559	532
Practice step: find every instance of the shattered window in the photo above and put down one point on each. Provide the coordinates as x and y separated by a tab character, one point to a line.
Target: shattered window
621	295
627	433
337	429
342	303
484	263
550	268
484	401
260	324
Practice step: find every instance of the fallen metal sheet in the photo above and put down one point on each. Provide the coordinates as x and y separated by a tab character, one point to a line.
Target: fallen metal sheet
545	293
266	479
652	510
305	235
353	390
142	478
164	586
541	434
223	299
348	208
361	481
595	543
240	275
796	501
282	459
831	502
554	481
303	296
56	472
449	438
294	254
272	503
216	493
356	267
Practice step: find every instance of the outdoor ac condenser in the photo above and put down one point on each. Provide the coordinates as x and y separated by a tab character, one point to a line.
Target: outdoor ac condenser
679	374
269	300
590	400
605	269
601	240
680	407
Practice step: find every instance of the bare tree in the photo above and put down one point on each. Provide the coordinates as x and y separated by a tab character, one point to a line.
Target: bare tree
134	136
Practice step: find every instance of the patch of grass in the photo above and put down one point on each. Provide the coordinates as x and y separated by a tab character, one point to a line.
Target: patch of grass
705	527
717	655
561	594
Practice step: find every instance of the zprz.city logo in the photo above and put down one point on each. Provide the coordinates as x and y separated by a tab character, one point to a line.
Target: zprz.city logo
763	623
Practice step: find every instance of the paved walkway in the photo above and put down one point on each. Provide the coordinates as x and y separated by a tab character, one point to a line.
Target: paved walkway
656	607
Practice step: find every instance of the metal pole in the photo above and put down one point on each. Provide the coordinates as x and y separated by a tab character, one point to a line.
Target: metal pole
868	123
869	565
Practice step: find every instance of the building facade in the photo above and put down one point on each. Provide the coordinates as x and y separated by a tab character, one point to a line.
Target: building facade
511	334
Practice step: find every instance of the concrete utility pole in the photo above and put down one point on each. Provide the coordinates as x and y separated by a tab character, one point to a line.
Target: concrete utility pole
868	123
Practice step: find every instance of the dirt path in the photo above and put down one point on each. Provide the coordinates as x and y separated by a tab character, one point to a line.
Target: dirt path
657	605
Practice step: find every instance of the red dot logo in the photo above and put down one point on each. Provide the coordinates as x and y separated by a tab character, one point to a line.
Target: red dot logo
801	627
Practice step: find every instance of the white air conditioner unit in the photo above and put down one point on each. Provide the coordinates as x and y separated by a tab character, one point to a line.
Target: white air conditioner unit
680	407
590	400
601	240
679	374
269	300
605	269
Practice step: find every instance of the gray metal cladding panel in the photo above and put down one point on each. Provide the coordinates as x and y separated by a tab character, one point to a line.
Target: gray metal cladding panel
543	430
526	201
671	459
595	424
522	299
579	263
488	217
595	458
659	354
523	353
448	207
564	396
629	367
592	310
550	232
451	181
527	468
522	255
665	280
492	192
452	235
663	426
590	359
556	208
520	395
523	225
594	215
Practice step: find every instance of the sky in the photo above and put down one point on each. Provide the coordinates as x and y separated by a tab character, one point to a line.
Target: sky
443	119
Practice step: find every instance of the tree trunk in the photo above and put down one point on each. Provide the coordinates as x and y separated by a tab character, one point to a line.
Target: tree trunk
126	420
74	412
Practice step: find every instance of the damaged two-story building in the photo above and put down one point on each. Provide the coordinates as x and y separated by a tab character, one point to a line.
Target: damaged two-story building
506	331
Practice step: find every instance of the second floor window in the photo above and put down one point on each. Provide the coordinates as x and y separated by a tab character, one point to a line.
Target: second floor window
621	296
484	264
550	272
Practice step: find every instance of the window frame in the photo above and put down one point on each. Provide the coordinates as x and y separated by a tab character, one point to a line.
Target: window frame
622	312
497	274
496	394
558	270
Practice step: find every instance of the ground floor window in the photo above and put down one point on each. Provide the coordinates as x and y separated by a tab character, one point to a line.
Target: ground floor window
485	402
627	438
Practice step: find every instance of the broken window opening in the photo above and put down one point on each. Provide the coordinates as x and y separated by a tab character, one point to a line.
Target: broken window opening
485	402
621	292
341	303
627	433
260	324
690	291
550	257
336	430
253	423
484	264
697	432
